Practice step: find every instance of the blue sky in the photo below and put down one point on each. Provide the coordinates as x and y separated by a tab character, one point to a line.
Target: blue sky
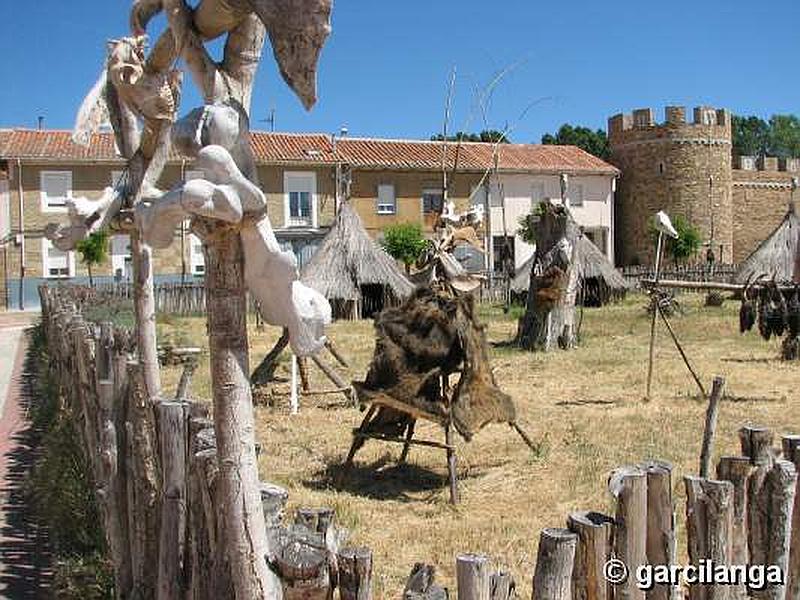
385	69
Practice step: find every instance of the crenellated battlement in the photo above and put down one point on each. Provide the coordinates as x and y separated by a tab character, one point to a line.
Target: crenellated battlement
643	119
766	163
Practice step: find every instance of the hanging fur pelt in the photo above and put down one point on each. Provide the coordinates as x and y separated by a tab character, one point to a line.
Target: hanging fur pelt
430	336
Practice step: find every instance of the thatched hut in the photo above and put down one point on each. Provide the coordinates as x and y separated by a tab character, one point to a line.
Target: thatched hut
777	256
353	272
600	281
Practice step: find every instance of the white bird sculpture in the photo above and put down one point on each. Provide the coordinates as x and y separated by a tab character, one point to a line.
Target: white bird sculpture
664	225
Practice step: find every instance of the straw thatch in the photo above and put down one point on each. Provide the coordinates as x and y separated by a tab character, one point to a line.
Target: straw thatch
349	263
600	281
777	256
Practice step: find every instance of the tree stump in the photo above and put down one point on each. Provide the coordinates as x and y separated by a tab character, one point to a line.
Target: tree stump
549	319
473	577
355	574
594	531
629	486
552	579
709	526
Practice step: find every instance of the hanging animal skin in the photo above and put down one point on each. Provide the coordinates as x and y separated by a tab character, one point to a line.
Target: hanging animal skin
793	313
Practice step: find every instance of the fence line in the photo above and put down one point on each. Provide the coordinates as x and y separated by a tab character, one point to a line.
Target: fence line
723	273
154	464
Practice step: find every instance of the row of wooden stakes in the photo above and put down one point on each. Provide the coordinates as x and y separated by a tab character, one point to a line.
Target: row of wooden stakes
155	469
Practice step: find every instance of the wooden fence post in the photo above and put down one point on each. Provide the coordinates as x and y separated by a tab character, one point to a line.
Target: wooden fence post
779	503
421	584
173	433
629	486
738	470
660	545
756	443
355	574
717	389
552	579
791	452
594	531
473	577
709	525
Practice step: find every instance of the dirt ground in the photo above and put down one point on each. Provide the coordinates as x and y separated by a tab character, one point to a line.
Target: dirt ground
583	408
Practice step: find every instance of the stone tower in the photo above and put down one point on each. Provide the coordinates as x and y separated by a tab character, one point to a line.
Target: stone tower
682	168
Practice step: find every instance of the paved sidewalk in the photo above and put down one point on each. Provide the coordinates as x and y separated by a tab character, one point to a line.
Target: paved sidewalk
24	557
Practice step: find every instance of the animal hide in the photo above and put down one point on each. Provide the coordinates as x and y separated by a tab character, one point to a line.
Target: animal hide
430	336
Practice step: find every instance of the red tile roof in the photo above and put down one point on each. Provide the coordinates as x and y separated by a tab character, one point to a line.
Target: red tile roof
315	148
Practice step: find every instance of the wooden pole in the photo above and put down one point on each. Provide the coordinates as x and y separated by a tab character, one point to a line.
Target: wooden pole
681	351
244	544
791	452
451	463
738	470
717	390
473	577
173	437
355	574
594	531
552	578
780	487
294	402
654	308
661	545
629	486
709	525
144	304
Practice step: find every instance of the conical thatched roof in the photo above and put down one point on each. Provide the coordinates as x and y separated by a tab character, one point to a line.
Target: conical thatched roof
349	258
592	264
777	256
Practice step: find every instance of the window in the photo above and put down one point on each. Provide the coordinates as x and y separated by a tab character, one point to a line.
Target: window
300	190
537	193
196	257
121	257
55	187
5	209
387	203
55	263
503	249
432	200
576	195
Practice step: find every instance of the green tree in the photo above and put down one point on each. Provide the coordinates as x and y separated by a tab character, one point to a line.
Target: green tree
93	251
688	243
405	243
751	136
784	136
593	142
487	135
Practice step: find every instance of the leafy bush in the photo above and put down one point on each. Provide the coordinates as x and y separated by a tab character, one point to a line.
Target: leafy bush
405	243
60	491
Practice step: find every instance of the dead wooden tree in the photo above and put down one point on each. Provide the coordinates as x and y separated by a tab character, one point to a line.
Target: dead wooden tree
554	562
549	318
709	525
660	545
595	534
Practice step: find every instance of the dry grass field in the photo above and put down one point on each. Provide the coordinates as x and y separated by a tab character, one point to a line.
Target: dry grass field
584	409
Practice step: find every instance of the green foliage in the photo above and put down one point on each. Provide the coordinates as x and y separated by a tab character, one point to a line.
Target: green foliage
780	136
750	136
784	136
688	243
59	491
593	142
404	242
487	135
527	224
93	250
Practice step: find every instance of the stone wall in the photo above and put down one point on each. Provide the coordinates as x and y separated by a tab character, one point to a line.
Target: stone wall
667	166
760	202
